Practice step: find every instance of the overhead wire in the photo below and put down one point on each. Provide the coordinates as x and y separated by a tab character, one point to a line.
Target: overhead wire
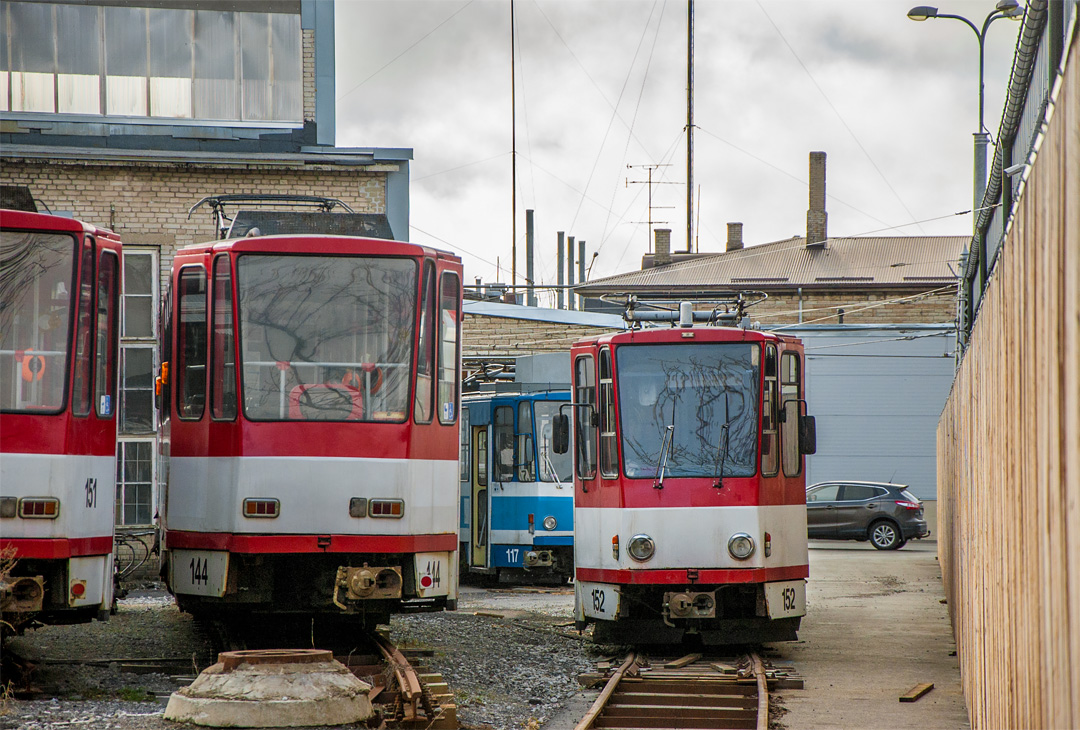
414	45
836	111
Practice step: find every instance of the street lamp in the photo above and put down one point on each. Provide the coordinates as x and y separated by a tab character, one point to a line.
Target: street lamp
1004	9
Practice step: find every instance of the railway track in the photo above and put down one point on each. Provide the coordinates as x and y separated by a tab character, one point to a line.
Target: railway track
692	692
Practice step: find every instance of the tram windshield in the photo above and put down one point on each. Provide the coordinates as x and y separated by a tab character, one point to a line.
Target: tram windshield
36	284
690	409
327	338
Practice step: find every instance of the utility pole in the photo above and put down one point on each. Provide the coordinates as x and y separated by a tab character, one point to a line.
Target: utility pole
689	126
513	159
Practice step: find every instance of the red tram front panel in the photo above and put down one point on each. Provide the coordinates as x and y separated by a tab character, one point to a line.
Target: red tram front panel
60	290
689	488
312	430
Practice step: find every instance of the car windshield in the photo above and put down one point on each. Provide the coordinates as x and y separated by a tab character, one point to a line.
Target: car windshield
707	397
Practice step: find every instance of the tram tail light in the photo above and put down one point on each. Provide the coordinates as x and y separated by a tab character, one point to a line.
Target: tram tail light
768	544
358	507
262	508
9	507
391	508
39	508
78	588
615	546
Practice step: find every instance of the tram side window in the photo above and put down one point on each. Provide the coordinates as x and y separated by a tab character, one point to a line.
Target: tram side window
106	328
770	462
789	397
465	449
36	276
84	373
425	355
503	434
223	353
585	431
609	458
191	347
449	355
523	451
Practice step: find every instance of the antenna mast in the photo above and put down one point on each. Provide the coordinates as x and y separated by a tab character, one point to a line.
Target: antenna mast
689	126
513	158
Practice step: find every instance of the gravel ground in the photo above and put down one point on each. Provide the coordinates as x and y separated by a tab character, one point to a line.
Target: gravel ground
510	656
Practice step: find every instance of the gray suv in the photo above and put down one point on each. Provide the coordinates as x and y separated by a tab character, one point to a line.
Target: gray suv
885	514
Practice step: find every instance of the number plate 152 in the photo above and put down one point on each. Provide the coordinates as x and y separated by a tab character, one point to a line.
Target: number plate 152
199	572
597	600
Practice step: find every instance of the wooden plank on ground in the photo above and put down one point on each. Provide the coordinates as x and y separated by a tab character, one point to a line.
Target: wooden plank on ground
916	692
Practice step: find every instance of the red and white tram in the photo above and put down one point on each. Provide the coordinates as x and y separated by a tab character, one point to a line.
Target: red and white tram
310	422
59	327
690	491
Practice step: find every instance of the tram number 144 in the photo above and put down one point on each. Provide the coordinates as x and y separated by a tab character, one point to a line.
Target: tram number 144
200	570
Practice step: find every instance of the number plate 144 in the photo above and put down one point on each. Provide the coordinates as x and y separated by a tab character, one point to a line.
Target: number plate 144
199	572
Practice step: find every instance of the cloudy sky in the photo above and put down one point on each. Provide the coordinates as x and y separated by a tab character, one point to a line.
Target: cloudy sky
601	85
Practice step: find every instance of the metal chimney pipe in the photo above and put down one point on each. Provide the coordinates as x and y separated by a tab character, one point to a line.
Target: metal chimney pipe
562	255
581	264
530	296
570	271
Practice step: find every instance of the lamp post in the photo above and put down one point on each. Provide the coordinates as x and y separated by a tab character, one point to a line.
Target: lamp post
1004	9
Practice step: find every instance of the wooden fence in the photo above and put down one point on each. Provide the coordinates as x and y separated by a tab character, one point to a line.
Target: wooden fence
1009	457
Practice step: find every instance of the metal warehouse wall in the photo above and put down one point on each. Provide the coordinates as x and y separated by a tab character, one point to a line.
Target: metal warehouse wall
877	393
1009	456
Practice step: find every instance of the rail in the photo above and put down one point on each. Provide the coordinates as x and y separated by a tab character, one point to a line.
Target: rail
692	691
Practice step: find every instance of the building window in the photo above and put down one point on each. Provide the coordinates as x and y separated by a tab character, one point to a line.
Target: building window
134	483
140	292
151	62
137	390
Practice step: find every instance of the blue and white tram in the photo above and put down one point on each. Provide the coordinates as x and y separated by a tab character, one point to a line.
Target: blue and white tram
517	494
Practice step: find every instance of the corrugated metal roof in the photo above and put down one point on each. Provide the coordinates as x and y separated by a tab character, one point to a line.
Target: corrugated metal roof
856	262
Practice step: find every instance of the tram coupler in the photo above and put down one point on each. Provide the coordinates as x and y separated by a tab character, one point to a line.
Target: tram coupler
366	583
22	595
539	559
689	604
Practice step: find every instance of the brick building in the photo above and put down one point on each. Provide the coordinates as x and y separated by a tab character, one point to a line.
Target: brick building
126	116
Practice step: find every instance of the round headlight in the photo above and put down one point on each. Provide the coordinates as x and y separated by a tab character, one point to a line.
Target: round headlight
641	547
741	546
550	523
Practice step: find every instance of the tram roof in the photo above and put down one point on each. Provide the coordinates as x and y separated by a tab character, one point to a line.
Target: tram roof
319	244
48	222
700	334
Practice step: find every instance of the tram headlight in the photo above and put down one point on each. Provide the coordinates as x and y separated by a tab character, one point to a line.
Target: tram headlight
550	523
741	546
641	548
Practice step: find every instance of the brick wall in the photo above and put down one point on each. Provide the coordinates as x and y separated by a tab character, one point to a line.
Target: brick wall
503	337
147	203
897	306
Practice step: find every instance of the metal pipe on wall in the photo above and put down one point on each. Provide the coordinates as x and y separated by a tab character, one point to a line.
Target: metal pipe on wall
561	256
530	297
581	264
570	271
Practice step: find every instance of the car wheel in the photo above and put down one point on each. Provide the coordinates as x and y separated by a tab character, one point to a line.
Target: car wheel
901	544
885	535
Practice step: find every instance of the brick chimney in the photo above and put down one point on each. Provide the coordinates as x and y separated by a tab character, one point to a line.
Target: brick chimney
734	236
816	217
662	247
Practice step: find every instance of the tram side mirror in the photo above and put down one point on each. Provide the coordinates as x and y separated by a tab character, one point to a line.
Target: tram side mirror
560	433
807	435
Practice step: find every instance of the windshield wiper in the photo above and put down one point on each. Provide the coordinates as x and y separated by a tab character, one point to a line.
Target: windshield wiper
722	444
665	451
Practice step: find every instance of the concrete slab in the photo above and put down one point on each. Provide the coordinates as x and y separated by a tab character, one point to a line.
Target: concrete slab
875	628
